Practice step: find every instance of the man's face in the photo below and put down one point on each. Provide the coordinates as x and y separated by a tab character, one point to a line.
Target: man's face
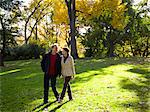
54	49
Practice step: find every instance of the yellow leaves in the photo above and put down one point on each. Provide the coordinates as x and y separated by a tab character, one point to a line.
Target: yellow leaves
60	12
84	6
40	7
97	8
107	8
33	4
87	9
119	21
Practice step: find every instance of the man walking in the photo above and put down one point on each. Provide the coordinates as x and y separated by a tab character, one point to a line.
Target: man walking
51	66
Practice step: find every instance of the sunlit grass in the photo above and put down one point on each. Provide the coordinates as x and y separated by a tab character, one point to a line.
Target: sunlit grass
11	71
100	85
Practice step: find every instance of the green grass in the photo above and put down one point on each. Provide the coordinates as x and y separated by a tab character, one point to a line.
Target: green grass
100	85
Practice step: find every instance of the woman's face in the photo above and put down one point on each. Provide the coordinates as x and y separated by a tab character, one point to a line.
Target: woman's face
64	52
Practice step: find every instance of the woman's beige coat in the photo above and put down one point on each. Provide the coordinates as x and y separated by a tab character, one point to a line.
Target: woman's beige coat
67	68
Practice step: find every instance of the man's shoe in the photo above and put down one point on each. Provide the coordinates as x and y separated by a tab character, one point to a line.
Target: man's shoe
70	99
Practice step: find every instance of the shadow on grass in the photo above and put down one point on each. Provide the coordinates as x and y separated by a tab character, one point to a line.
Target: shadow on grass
83	78
92	68
46	106
38	106
85	65
141	88
59	106
89	65
144	72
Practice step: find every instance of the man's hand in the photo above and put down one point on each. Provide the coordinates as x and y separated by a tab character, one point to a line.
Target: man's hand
60	75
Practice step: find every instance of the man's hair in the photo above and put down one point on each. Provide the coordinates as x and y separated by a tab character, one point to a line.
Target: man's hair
55	45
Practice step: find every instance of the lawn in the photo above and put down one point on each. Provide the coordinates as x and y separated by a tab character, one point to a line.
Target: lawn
100	85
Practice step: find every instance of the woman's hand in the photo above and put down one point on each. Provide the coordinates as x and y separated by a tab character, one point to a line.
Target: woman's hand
73	77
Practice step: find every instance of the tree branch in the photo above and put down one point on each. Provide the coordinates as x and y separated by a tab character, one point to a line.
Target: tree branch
83	12
38	5
35	25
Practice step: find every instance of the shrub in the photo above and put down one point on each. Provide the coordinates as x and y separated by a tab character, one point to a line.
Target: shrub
26	51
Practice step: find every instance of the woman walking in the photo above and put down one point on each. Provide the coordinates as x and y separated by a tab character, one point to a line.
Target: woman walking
68	71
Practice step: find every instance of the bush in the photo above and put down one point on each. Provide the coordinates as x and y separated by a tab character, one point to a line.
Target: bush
28	51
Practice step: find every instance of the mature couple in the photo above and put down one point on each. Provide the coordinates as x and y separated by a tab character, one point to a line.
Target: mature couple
54	65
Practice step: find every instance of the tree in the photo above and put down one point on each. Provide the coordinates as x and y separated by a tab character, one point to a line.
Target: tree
72	17
37	10
65	13
28	18
108	16
9	17
136	35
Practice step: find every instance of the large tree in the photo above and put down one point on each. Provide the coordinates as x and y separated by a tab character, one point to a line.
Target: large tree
34	14
107	16
65	14
72	19
9	16
136	33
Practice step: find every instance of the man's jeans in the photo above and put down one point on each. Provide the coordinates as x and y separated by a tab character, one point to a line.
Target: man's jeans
46	87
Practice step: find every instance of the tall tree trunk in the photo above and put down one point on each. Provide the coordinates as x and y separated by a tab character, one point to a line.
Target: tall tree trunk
1	59
110	45
111	49
36	53
72	17
147	47
2	53
25	33
36	33
67	38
